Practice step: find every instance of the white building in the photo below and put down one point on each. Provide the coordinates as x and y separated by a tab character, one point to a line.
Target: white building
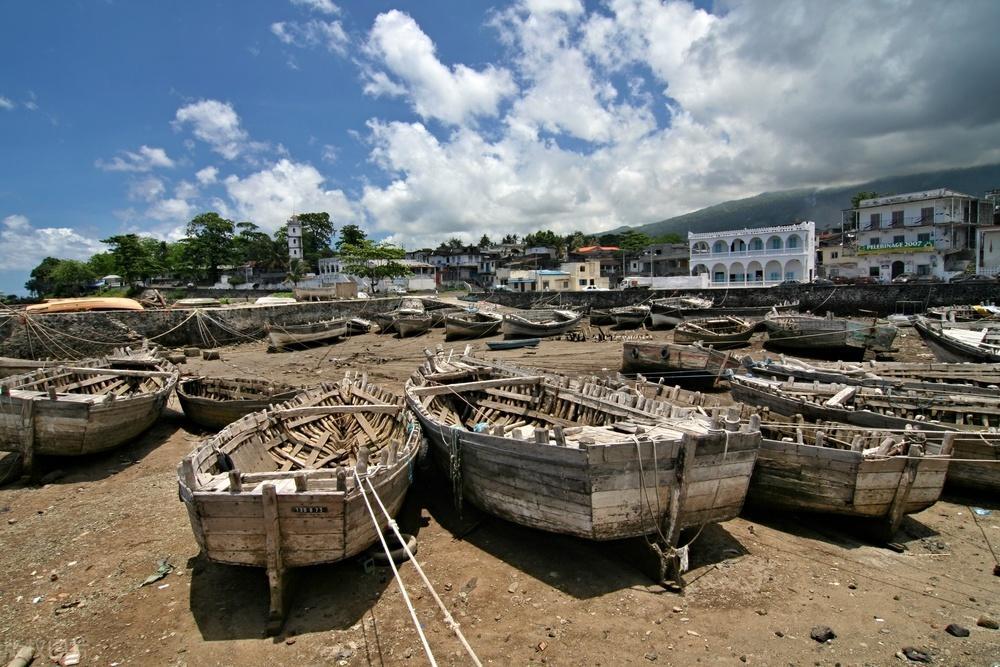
988	257
423	276
929	233
755	257
294	239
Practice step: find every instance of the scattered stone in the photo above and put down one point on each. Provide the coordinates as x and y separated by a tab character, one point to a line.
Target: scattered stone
11	522
987	622
693	633
651	656
210	355
915	654
822	633
512	588
447	587
677	610
743	658
852	586
54	576
996	570
779	633
290	641
956	630
541	646
762	612
895	597
192	352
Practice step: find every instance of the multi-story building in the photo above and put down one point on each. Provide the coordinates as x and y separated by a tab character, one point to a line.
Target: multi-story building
931	233
609	257
294	233
423	276
570	276
661	259
988	257
755	257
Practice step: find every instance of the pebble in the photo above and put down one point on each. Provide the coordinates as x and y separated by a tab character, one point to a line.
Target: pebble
693	633
11	522
987	622
743	658
677	610
651	656
779	633
512	588
956	630
822	633
915	654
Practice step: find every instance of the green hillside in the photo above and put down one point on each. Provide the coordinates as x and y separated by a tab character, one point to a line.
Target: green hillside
820	205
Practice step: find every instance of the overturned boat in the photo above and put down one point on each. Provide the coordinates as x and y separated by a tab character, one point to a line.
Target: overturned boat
288	486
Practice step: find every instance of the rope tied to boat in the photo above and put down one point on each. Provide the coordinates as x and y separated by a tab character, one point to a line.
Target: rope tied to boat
449	620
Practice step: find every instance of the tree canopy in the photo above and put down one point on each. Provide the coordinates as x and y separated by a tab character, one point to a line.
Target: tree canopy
374	261
351	235
210	239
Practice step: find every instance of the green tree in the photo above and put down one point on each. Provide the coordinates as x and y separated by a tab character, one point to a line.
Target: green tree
256	247
633	242
211	242
102	264
351	235
40	279
485	242
71	278
129	255
672	237
510	238
608	239
374	261
544	237
182	259
296	269
454	243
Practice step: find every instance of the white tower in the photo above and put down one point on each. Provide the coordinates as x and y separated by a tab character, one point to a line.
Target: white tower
294	239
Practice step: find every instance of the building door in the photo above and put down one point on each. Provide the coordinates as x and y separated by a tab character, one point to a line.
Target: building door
897	268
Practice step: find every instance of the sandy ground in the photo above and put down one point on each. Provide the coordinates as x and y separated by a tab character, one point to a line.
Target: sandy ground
76	550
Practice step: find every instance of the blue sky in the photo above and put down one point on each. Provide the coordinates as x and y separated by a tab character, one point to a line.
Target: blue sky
425	120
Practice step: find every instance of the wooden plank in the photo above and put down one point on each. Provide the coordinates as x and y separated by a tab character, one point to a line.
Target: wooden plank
461	387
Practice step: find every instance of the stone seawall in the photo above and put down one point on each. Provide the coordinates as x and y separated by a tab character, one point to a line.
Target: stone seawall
63	335
838	299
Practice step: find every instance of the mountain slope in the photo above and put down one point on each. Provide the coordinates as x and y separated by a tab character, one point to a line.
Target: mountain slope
820	205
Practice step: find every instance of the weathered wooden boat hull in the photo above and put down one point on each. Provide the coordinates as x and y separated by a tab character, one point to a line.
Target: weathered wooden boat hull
513	344
665	320
720	333
950	350
522	324
689	365
596	491
214	414
386	322
412	325
438	315
357	326
471	325
599	317
629	317
68	424
83	304
969	445
282	337
826	335
285	487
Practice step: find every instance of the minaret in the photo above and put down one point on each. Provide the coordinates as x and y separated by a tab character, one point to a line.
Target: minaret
294	239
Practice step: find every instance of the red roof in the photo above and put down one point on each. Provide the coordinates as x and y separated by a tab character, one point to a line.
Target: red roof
597	248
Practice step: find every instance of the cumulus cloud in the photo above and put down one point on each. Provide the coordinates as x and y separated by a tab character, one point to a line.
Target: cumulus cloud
330	34
270	196
6	104
145	159
23	246
146	189
321	6
207	176
453	95
217	124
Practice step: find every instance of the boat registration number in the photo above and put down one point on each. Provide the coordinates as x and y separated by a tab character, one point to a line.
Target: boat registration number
305	509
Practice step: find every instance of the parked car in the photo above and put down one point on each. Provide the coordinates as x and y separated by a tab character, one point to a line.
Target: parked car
822	282
924	280
903	278
786	283
595	288
395	289
972	278
865	280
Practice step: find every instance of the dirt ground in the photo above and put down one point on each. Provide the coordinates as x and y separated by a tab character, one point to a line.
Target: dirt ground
76	550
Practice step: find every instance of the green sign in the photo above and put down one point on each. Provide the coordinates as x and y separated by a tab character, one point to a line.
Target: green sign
914	246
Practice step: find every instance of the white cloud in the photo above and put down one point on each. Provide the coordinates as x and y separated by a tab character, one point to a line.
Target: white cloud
145	159
329	153
6	104
23	247
321	6
330	34
268	197
173	210
186	190
207	176
146	189
454	95
217	124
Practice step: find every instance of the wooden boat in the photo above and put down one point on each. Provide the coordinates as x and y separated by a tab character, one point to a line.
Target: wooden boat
429	303
548	452
690	365
141	359
540	323
283	336
830	335
471	324
513	344
407	307
600	317
196	302
963	313
668	312
439	314
274	300
630	317
412	324
971	420
357	326
72	411
833	468
748	311
83	304
719	332
876	373
213	403
279	488
956	345
316	293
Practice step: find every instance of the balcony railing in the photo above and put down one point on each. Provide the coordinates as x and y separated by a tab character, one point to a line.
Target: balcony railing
766	252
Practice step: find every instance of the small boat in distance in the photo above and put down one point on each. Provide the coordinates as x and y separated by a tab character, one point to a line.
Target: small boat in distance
412	324
214	403
720	332
283	336
513	344
540	323
630	317
83	304
471	324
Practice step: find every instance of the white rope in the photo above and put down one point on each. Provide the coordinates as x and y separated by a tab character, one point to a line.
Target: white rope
395	572
448	619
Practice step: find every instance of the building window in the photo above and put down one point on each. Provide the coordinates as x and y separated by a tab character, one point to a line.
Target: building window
793	241
897	218
874	220
899	239
875	241
834	255
719	247
756	244
582	282
923	269
924	237
582	268
873	272
927	215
